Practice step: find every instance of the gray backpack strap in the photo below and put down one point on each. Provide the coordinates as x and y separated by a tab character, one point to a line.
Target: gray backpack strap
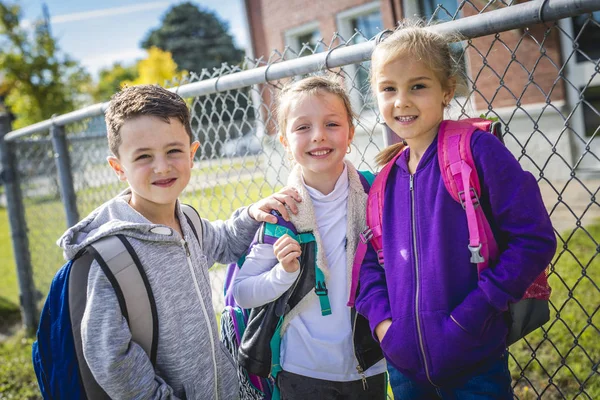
194	221
78	279
123	269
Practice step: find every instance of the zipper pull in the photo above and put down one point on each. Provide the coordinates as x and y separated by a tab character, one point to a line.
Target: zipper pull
411	181
363	378
187	249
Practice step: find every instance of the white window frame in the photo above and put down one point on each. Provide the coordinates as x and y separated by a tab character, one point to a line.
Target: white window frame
291	35
343	18
344	27
410	8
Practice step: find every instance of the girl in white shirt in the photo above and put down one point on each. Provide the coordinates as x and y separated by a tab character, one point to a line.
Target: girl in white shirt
326	352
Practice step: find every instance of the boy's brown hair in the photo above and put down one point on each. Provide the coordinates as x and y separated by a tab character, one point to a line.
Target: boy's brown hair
150	100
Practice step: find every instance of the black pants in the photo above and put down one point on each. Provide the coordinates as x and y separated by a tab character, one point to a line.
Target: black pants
293	386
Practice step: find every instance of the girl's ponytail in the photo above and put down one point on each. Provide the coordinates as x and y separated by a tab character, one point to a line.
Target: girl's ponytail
386	155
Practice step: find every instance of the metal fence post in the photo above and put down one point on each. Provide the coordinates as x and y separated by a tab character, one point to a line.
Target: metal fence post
65	175
18	228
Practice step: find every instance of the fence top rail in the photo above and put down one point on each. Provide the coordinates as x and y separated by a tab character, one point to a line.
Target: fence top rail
499	20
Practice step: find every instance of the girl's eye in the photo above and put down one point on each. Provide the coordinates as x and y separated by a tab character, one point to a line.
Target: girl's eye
302	127
418	86
333	124
388	89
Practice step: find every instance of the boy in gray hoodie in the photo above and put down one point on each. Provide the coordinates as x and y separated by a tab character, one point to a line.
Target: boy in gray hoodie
150	137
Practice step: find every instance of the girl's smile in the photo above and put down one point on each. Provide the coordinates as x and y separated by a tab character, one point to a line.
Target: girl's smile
320	152
411	100
317	136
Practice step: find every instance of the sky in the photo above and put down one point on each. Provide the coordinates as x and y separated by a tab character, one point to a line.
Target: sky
100	33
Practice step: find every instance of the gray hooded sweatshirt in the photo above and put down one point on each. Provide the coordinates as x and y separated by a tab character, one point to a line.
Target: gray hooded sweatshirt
191	362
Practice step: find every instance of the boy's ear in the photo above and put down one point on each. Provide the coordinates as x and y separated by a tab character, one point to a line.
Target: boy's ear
116	166
193	148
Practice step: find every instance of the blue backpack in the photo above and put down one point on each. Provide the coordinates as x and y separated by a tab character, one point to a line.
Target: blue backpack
58	360
258	382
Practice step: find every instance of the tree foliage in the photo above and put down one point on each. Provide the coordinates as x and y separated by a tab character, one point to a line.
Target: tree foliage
38	80
195	38
111	80
157	68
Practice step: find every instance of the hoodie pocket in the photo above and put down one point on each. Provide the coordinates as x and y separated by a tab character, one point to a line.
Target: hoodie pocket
454	350
400	345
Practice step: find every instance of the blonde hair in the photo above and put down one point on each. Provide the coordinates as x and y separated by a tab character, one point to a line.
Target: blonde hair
309	87
412	39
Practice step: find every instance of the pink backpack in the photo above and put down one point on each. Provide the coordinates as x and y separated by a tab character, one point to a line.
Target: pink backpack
458	173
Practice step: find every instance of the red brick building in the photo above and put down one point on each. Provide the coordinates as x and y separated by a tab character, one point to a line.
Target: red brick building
519	73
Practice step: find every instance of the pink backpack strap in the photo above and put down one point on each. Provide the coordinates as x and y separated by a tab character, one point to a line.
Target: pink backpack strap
374	226
462	182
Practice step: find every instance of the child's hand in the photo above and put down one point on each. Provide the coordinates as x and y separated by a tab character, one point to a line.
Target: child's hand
287	251
277	201
382	328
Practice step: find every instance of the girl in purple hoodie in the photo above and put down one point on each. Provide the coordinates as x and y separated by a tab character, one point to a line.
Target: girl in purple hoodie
442	327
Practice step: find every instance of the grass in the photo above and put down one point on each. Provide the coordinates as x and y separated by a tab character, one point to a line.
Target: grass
17	379
8	284
562	359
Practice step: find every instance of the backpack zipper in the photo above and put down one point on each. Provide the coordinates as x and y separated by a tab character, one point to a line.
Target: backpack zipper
210	332
414	237
361	372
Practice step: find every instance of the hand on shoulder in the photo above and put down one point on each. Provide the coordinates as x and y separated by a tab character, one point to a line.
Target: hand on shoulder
260	211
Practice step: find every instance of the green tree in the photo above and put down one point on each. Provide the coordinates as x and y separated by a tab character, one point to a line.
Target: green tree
38	79
157	68
195	38
111	80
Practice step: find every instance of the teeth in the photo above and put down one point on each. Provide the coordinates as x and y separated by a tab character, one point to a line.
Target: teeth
406	119
320	152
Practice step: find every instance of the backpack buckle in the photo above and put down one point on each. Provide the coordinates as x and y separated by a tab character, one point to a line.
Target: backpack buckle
366	235
380	257
473	196
321	289
476	257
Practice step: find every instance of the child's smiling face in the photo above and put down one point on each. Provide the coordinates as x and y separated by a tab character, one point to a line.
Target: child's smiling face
411	99
155	158
318	134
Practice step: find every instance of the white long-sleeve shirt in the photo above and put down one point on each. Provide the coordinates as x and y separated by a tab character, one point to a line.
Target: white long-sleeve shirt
313	345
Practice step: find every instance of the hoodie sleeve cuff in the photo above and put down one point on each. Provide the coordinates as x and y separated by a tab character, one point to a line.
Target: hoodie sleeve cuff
245	217
281	276
376	309
475	313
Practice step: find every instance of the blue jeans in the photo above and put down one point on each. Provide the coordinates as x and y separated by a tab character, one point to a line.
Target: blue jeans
494	382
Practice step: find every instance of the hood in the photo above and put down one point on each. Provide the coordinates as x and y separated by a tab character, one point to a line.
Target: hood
113	217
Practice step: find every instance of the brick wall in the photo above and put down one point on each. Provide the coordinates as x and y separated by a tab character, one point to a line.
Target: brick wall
513	58
504	81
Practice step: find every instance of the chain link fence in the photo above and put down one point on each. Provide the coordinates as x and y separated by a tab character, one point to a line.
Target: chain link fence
541	81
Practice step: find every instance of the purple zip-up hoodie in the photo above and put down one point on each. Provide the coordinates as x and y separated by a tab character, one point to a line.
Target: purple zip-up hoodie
445	321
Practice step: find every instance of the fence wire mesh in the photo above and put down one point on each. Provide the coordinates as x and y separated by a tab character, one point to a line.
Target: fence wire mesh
541	82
